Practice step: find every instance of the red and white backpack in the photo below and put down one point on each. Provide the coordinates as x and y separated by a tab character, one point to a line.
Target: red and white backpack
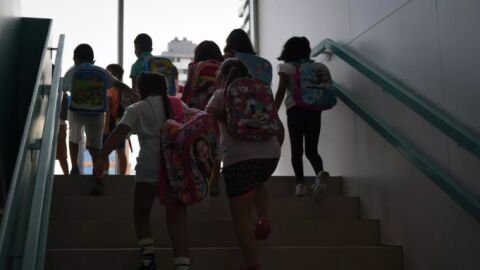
189	152
250	110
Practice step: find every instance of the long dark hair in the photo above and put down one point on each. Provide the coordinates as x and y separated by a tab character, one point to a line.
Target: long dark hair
232	69
207	50
154	84
239	41
295	49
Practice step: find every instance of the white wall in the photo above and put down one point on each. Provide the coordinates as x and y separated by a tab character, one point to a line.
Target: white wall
431	46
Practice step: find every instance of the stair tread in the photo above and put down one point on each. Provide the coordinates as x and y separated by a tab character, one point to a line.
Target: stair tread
282	258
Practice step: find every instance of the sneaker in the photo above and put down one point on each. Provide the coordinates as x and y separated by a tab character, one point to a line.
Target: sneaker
262	229
151	266
300	190
320	186
97	190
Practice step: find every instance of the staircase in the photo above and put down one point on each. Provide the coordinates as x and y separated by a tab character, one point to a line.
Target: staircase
97	233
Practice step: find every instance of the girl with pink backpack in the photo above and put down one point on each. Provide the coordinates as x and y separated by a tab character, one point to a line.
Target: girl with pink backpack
248	164
146	118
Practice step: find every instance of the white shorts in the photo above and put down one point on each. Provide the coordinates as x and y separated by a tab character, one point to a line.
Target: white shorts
93	124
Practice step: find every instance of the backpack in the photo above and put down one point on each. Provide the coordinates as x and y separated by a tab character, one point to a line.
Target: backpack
165	67
189	152
308	93
88	92
250	110
204	83
258	67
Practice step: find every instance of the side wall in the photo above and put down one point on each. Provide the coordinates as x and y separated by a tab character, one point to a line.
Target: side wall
9	25
431	46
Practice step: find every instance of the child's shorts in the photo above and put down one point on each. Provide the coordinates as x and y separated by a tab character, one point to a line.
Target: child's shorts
244	176
93	124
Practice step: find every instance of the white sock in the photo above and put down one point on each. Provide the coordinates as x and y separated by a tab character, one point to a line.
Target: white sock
146	249
181	263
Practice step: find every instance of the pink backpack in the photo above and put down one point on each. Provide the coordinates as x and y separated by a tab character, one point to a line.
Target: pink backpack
190	150
251	114
204	83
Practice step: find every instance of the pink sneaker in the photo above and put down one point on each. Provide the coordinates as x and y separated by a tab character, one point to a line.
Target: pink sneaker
262	229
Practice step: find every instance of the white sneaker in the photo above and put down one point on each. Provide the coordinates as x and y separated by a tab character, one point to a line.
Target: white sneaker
300	190
320	186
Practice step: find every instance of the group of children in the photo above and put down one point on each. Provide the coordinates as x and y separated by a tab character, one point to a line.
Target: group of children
247	164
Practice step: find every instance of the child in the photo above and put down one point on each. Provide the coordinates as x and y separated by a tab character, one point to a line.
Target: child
146	118
238	46
238	42
205	51
143	49
114	113
302	123
247	165
62	156
87	85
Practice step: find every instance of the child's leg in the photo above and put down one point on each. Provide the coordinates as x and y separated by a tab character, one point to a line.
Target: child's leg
312	135
62	147
74	156
296	132
261	201
177	225
143	201
241	210
122	161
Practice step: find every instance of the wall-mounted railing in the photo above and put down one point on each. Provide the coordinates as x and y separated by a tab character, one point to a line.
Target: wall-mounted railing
465	199
23	231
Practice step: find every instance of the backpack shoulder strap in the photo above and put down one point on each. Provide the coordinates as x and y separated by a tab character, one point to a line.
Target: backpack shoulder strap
176	107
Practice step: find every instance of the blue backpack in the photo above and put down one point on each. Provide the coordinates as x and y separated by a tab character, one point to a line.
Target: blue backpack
165	67
308	93
88	92
258	67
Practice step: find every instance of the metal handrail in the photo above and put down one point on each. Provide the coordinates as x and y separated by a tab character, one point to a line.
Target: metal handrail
459	134
440	178
33	258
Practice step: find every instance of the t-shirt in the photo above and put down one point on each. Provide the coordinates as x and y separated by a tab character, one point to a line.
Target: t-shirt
146	118
290	70
67	78
138	66
235	150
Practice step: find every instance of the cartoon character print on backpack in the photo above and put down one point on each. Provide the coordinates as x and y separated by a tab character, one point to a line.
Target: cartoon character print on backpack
165	67
204	83
309	93
251	114
190	151
88	90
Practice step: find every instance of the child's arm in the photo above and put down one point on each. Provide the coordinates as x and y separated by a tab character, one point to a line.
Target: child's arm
282	88
118	135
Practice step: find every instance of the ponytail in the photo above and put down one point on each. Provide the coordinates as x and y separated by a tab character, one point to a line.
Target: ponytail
166	105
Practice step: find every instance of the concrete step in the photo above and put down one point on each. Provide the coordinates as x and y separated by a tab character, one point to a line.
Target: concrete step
120	234
279	258
121	207
279	186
